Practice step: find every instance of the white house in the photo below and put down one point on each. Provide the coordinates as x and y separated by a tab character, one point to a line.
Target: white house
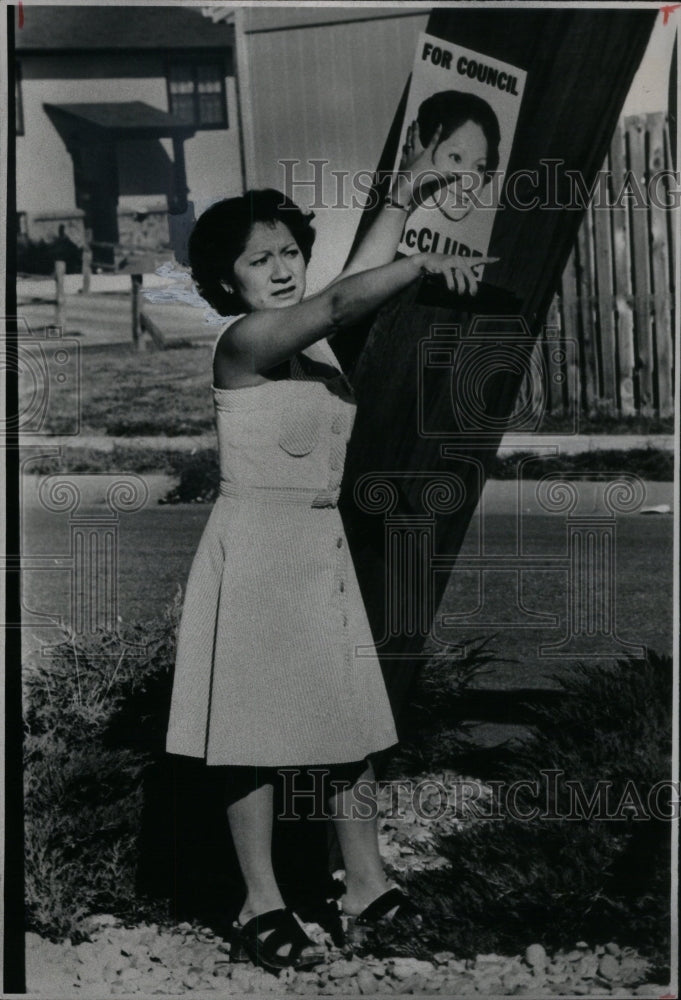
122	111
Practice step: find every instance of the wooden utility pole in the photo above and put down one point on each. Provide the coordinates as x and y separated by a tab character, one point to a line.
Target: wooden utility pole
579	65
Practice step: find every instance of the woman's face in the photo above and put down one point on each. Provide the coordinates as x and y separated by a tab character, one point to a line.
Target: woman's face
462	152
270	272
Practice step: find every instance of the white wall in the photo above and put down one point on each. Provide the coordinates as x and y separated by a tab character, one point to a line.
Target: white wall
650	87
322	91
212	158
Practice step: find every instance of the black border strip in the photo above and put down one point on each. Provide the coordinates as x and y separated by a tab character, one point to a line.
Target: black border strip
14	977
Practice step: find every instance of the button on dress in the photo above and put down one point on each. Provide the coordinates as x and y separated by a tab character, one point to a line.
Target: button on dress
275	662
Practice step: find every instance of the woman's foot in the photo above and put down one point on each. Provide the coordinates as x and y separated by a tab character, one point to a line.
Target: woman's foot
258	906
357	898
254	906
388	907
274	940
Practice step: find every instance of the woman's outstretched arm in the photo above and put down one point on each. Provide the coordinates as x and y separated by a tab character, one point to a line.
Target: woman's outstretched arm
381	240
266	337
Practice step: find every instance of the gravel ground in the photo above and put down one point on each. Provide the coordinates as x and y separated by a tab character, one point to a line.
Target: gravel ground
119	960
122	961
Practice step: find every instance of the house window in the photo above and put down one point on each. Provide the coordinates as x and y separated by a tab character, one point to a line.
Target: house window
196	92
18	102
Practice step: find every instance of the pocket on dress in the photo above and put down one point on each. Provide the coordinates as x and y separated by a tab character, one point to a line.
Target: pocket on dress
299	431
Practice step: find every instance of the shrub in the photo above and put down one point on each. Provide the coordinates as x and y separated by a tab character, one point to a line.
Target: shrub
40	256
606	464
606	423
556	880
84	771
199	476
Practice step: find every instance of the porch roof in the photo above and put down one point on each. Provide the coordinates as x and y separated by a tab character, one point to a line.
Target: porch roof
121	120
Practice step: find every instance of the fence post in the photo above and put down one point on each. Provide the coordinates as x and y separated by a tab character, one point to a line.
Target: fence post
60	301
664	338
640	251
624	310
87	269
136	326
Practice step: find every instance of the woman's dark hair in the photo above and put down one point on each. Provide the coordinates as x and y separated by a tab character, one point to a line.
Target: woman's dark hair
453	108
220	236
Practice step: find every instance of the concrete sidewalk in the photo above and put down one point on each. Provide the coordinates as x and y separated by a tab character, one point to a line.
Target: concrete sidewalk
540	444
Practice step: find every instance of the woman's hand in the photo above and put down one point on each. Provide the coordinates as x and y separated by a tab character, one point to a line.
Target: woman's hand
416	167
458	272
380	242
415	156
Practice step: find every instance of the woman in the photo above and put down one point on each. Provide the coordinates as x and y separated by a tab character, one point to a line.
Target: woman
267	673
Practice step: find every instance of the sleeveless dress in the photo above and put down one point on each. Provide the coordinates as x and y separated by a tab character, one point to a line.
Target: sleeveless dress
275	662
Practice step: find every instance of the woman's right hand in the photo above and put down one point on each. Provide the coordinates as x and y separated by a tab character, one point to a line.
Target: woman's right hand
458	272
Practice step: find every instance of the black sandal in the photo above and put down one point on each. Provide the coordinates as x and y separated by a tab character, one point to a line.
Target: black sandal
388	908
328	916
283	929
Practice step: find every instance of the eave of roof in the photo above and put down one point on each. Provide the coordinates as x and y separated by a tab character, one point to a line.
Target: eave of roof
119	119
67	29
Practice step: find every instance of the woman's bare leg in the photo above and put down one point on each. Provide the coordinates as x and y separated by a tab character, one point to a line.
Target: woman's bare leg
250	821
358	839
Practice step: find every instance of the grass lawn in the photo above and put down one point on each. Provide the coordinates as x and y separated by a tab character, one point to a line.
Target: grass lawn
123	392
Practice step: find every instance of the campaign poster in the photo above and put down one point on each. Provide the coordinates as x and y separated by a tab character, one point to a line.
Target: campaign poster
475	99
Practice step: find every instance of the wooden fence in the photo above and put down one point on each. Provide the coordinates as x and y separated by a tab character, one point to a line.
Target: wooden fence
128	261
616	300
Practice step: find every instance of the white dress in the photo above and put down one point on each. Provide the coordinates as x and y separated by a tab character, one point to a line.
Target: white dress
275	663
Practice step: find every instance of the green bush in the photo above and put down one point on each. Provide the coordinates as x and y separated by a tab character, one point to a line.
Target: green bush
606	423
557	880
199	476
95	715
654	464
40	256
84	771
